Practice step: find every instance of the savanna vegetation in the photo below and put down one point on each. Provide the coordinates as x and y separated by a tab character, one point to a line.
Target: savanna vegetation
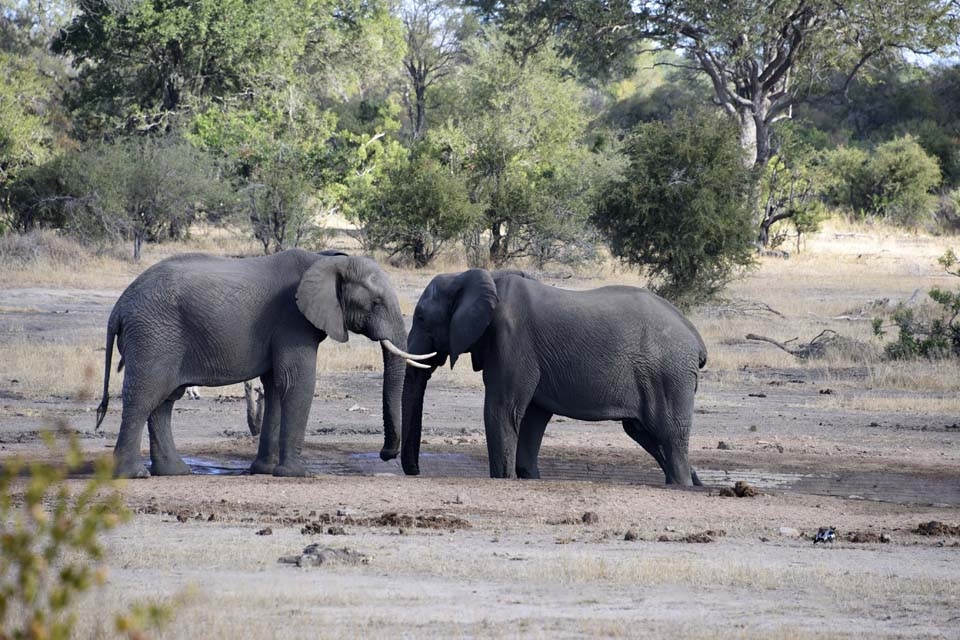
524	131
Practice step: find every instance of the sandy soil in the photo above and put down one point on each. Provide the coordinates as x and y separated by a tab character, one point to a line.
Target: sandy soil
597	548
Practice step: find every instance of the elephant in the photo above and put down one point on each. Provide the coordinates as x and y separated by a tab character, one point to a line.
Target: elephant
197	319
613	353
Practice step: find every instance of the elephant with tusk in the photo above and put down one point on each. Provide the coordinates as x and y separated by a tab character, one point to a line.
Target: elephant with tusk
196	319
614	353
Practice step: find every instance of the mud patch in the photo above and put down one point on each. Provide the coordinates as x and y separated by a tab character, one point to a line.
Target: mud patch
389	519
936	528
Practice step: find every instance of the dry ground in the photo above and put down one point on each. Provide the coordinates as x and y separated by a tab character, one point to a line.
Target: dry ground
847	441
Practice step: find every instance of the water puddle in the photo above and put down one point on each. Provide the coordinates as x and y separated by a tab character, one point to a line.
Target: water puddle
886	487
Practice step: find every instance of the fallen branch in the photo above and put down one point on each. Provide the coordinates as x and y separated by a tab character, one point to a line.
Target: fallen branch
816	348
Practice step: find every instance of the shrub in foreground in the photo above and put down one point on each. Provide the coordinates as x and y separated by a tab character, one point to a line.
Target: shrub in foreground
50	549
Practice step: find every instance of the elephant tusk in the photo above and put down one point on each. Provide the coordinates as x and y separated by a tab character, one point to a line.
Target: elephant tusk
392	348
418	365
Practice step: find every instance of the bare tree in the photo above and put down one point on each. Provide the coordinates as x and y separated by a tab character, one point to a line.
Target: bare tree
433	30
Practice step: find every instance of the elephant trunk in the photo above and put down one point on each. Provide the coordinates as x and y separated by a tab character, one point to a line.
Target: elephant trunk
414	386
394	367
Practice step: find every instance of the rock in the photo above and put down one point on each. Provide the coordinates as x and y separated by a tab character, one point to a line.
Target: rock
789	532
745	490
314	556
724	446
590	518
631	535
266	531
336	531
727	492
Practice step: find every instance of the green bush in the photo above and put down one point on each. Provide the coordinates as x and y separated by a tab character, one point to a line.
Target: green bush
50	548
418	207
682	209
895	182
934	338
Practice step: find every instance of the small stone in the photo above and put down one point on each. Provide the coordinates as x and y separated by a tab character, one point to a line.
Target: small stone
724	446
266	531
336	531
590	518
631	535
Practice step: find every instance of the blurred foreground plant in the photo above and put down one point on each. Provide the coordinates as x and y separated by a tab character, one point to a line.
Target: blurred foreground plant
50	549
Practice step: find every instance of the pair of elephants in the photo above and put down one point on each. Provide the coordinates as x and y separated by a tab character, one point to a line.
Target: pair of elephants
614	353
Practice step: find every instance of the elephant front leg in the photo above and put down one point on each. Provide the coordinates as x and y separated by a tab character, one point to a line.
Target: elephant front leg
164	459
501	424
268	453
294	411
528	443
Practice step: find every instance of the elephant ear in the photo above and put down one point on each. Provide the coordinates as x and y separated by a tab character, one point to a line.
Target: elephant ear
472	311
318	297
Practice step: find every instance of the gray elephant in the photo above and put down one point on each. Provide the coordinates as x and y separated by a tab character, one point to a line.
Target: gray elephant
614	353
203	320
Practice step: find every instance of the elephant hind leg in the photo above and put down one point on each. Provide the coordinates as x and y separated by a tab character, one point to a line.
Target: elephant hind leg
532	426
164	459
639	434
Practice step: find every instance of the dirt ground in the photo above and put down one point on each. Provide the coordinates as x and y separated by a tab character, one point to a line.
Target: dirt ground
597	548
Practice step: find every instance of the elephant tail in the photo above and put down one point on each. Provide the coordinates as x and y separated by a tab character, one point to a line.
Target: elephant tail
113	330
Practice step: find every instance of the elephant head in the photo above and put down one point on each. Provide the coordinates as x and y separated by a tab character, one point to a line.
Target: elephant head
450	319
341	294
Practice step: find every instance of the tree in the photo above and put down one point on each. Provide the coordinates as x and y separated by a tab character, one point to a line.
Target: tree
681	210
418	206
141	65
518	136
753	52
434	31
136	189
31	119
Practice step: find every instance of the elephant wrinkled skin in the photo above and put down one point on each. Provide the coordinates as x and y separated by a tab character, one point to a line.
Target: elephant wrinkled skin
203	320
614	353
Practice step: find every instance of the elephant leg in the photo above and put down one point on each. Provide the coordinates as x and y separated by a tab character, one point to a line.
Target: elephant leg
528	442
636	430
505	401
139	402
164	459
677	466
269	452
295	404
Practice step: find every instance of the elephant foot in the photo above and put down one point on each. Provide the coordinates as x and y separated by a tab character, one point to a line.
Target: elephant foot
290	470
170	468
130	470
528	474
259	467
410	469
389	454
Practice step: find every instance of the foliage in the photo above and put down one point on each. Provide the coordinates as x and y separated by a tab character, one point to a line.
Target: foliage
791	189
518	137
895	182
935	338
50	547
753	52
681	210
418	206
136	189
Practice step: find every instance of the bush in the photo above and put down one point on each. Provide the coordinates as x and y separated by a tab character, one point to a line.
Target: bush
895	182
50	547
419	206
934	338
682	209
